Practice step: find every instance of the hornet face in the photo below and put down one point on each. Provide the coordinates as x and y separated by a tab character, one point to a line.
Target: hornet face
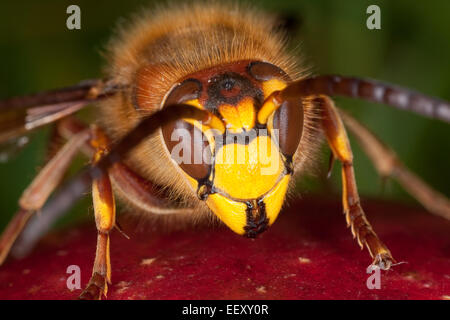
242	173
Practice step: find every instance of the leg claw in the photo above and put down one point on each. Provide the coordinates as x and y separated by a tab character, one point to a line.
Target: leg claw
96	287
384	261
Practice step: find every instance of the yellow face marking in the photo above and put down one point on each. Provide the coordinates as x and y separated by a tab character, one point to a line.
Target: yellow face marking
245	172
248	171
232	213
269	105
275	198
267	110
239	117
272	85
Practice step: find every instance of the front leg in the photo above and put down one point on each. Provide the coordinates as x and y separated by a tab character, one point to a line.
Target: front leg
105	213
356	219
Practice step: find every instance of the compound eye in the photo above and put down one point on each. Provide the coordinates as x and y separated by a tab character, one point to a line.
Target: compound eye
187	90
186	144
264	71
187	148
288	121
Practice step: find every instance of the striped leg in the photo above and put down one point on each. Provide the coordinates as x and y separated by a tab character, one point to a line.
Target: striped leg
356	219
389	166
141	192
323	87
105	219
34	197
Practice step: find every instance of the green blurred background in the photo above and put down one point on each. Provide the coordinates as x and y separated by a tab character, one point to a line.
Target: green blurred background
412	49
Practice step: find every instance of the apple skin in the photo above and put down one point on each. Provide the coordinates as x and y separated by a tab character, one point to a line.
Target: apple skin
307	254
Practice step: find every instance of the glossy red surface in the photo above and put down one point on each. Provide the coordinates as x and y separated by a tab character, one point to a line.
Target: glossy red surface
308	254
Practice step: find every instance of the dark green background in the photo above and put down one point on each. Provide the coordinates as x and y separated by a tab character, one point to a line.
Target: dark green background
412	49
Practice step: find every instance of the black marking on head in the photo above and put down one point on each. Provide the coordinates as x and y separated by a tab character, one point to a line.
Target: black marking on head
205	188
256	223
243	138
288	165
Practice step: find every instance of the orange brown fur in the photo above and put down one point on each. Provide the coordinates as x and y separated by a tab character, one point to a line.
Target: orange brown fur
172	43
